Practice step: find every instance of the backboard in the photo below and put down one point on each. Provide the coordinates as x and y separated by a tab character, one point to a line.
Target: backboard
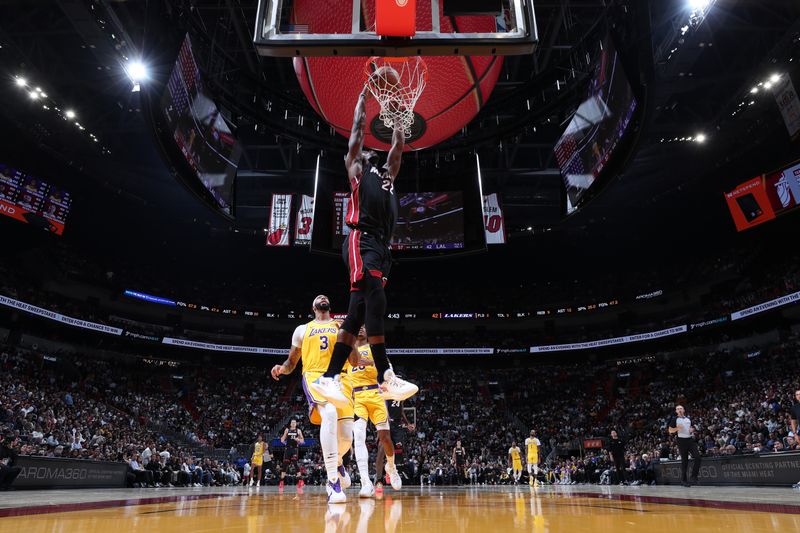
310	28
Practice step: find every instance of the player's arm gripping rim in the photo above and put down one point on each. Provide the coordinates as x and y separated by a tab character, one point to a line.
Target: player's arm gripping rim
356	143
289	365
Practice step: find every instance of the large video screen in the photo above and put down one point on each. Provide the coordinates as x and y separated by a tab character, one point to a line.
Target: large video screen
425	221
31	200
597	127
199	129
430	221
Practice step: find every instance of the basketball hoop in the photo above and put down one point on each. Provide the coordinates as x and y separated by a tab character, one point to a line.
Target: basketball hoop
396	83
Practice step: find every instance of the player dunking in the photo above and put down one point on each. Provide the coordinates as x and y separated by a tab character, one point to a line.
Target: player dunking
532	444
313	343
371	217
369	405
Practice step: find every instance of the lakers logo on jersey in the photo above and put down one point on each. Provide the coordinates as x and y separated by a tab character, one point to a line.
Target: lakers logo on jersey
318	345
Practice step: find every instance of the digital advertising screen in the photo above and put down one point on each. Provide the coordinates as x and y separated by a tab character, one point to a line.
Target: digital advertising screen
598	125
443	215
33	201
430	221
199	129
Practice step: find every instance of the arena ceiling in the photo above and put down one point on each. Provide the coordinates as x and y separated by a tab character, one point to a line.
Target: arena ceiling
691	83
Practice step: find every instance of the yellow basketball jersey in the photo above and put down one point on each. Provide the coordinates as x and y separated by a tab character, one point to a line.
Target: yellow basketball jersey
514	453
533	447
258	450
365	373
318	345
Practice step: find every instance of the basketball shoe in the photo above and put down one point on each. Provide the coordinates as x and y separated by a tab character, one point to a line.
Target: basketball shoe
367	490
344	477
335	492
394	388
331	390
394	477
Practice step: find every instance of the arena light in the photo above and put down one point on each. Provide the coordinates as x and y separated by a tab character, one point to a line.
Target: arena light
70	114
754	90
20	81
699	5
774	78
700	138
33	95
136	71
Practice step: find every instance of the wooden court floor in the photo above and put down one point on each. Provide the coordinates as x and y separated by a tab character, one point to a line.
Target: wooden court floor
415	509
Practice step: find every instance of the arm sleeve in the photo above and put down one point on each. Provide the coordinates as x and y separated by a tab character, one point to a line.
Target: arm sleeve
297	337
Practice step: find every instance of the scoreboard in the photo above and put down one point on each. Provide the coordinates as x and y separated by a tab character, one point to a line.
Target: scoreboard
32	200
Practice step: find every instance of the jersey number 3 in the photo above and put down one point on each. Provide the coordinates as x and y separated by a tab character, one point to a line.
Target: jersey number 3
323	342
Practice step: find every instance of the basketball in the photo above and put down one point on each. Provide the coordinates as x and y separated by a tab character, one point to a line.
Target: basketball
456	90
384	77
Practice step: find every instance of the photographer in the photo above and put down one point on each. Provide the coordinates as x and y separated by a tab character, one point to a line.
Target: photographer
8	457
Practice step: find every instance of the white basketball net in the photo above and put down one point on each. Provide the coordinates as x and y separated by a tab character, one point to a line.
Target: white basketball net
397	98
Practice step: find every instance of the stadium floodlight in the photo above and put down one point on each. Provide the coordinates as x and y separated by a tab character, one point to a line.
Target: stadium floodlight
700	138
136	71
699	5
70	114
768	85
754	90
20	81
774	78
33	95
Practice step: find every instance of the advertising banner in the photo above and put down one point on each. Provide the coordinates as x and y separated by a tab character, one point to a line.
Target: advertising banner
749	204
782	468
766	306
52	473
223	347
77	322
610	342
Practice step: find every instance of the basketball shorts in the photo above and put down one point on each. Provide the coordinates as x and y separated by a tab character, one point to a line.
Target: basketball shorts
313	400
517	465
366	255
369	405
533	459
256	460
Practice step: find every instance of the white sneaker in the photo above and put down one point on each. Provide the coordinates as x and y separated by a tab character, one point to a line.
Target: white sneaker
344	477
335	492
394	388
252	482
330	390
394	476
258	484
367	490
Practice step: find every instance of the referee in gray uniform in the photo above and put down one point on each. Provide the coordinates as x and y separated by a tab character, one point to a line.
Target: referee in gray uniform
682	425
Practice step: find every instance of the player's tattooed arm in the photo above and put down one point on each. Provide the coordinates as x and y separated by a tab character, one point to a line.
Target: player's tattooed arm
356	142
396	152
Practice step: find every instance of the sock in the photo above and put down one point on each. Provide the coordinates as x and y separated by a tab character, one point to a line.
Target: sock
535	470
390	461
360	445
328	440
340	353
380	359
345	437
